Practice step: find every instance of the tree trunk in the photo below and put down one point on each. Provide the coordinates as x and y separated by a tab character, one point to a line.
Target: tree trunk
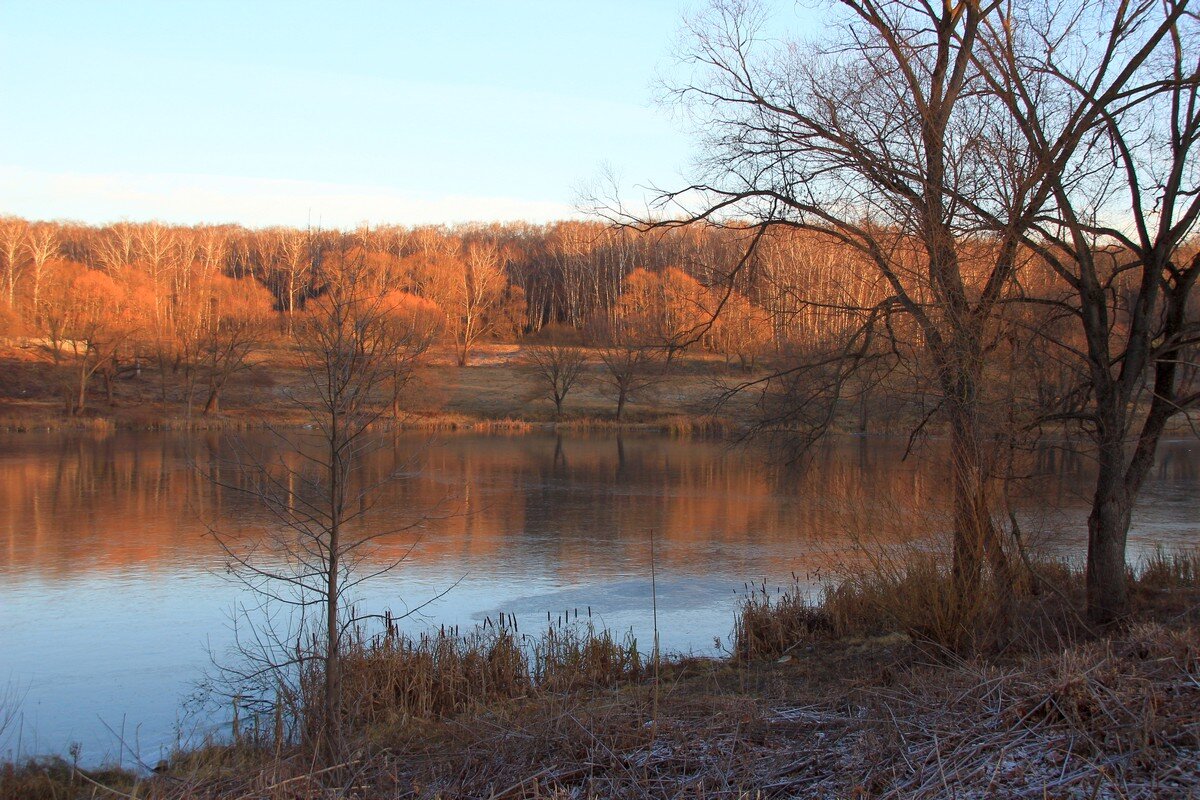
189	391
213	404
1118	480
976	538
620	403
330	723
1108	527
331	709
82	399
972	523
162	380
1121	475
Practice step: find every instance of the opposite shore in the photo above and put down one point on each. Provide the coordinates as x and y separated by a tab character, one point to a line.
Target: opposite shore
499	392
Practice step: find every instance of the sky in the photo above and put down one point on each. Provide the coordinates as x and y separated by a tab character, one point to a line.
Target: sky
330	113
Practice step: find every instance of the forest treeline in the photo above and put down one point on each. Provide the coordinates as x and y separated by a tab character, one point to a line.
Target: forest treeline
194	303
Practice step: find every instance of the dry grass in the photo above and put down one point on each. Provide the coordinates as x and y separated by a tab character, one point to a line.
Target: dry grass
13	421
392	680
569	658
863	703
1166	571
699	425
56	778
39	417
770	625
912	594
1110	718
461	423
495	394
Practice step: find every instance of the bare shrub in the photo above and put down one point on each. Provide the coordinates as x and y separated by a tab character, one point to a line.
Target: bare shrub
557	368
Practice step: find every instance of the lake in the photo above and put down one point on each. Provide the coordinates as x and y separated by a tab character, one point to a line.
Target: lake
114	598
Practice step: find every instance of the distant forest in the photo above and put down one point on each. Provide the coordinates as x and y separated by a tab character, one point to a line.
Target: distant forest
564	273
129	291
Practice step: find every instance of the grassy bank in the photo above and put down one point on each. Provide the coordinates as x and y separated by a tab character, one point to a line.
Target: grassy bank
40	418
850	694
496	393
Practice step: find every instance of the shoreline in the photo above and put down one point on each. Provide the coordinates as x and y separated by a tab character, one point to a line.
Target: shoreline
498	393
42	419
869	712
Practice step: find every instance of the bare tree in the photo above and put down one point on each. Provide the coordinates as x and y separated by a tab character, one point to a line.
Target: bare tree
116	247
237	322
416	324
866	138
85	313
41	242
976	133
12	237
741	329
312	559
1107	100
558	368
631	365
155	250
467	288
630	369
294	263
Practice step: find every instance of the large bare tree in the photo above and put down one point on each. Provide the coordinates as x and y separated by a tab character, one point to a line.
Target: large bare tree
867	138
1107	99
943	144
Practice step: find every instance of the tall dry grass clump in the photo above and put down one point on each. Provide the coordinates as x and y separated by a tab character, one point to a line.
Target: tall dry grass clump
891	577
911	592
698	427
1165	570
913	596
393	678
54	778
768	625
568	658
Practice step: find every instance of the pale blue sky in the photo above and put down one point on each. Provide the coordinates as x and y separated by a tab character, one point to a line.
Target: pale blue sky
258	112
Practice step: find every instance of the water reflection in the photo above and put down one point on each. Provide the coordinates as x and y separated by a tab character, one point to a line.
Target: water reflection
74	505
85	505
